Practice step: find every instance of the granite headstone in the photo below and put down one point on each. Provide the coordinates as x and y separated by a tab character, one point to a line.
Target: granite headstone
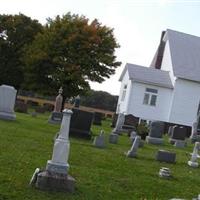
7	102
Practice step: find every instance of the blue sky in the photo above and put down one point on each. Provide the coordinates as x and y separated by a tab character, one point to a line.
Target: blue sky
137	23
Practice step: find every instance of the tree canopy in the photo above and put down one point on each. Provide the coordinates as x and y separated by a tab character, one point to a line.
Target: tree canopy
21	31
69	52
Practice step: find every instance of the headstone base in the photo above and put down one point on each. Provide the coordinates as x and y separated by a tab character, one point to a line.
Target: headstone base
193	164
7	116
153	140
55	182
55	118
131	154
180	144
113	138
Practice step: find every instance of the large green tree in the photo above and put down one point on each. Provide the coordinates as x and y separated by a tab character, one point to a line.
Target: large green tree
69	52
21	31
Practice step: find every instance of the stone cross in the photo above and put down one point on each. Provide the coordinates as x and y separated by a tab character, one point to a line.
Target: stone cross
58	102
59	161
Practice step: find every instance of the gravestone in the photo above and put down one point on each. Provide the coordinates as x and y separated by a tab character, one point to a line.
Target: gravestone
113	138
178	133
130	122
56	177
81	123
119	124
7	102
193	161
100	141
165	172
56	115
133	151
97	118
155	133
166	156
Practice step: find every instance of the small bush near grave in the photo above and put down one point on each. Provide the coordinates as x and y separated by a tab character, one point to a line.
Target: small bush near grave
142	130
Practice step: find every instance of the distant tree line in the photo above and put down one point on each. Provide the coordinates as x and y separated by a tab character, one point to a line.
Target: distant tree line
68	51
100	99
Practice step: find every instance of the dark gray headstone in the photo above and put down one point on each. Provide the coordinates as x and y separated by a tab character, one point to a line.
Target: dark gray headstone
156	129
55	118
81	122
166	156
178	133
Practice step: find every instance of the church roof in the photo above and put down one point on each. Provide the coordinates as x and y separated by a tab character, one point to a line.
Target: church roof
147	75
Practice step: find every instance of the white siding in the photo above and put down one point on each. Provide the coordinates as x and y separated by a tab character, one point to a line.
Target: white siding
158	112
122	105
167	62
186	97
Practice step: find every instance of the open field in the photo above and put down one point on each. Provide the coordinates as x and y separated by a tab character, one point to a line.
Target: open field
101	174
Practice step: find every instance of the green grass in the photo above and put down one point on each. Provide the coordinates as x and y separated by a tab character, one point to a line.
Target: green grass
100	173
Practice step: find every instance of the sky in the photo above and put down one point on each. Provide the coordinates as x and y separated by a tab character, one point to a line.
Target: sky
137	24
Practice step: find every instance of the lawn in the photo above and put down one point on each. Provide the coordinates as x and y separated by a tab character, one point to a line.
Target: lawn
100	174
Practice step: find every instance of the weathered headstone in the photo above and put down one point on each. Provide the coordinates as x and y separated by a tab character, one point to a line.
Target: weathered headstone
7	102
56	115
155	133
81	123
193	161
133	151
100	141
97	118
55	176
166	156
113	138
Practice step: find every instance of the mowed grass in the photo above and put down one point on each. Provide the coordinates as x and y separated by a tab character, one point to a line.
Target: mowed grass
100	174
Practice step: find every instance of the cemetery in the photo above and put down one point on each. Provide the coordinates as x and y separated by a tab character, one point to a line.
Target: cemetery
110	163
55	150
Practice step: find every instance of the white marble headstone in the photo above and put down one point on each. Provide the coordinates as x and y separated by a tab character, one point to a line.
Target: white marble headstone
7	102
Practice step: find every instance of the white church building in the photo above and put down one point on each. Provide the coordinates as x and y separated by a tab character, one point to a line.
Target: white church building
168	90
